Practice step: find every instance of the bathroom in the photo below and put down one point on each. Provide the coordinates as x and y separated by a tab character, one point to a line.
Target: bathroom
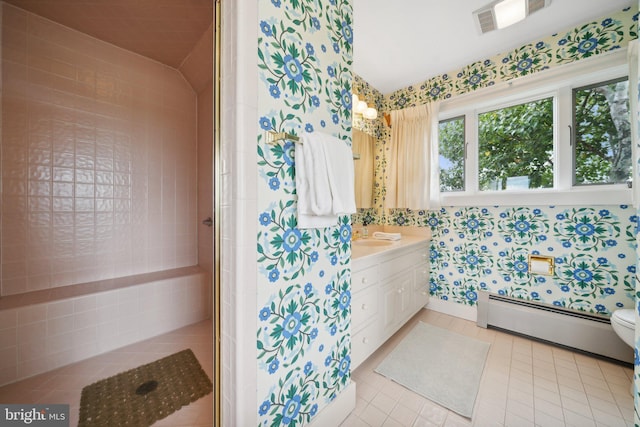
456	230
252	187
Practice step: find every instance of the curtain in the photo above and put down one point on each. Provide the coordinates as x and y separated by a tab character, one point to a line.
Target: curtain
413	177
364	145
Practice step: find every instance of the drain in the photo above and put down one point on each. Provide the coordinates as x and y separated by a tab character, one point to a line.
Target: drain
146	388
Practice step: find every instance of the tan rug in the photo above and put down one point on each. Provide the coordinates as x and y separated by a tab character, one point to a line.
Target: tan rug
146	394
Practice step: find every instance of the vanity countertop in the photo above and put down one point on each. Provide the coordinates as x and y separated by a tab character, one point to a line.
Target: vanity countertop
365	248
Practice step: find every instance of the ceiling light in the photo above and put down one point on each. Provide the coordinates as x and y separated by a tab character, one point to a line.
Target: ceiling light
502	13
508	12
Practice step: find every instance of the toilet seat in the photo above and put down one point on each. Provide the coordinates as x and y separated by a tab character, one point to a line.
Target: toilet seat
625	317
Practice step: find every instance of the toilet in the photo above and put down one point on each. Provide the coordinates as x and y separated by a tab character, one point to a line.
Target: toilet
624	323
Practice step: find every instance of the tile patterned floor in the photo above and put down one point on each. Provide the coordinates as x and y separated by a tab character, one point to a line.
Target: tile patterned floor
64	385
525	383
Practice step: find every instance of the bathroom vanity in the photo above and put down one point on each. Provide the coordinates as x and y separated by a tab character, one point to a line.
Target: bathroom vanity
389	284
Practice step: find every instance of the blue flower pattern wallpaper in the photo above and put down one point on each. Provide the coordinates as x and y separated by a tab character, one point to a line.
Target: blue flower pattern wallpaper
303	344
595	248
487	248
585	41
304	275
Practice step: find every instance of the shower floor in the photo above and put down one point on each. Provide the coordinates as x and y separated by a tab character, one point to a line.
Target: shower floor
64	385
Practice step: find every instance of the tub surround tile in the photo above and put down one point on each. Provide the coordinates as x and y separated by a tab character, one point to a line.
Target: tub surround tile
86	121
39	334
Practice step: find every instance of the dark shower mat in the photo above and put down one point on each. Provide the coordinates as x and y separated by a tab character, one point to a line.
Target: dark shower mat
146	394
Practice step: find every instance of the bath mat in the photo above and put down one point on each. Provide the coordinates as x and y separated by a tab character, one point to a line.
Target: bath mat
146	394
440	365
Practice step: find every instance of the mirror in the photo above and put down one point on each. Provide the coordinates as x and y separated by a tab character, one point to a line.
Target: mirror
364	146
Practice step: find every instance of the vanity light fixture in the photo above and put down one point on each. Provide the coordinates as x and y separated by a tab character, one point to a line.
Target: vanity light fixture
360	107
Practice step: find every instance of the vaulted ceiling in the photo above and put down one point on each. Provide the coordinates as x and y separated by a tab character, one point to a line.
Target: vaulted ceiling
163	30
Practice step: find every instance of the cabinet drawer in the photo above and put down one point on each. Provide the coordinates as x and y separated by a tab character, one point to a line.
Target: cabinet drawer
404	263
364	308
363	279
364	343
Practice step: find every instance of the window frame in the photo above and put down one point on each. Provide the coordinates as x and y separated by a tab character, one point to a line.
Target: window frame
526	100
464	150
558	82
574	125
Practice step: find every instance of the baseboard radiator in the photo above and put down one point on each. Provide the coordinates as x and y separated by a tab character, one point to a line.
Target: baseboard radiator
569	328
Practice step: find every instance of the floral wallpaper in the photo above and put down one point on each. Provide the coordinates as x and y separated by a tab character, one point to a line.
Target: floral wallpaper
596	248
475	248
381	132
304	298
592	38
487	248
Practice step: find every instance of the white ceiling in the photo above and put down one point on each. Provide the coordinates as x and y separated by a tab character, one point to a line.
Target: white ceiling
403	42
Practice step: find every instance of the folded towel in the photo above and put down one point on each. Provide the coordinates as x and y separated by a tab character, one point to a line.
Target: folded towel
324	180
387	236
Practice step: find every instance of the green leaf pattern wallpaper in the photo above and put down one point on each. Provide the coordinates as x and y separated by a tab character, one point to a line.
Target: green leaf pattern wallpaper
304	298
590	39
487	248
596	249
304	275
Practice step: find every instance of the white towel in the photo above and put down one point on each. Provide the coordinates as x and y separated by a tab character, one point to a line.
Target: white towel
324	180
387	236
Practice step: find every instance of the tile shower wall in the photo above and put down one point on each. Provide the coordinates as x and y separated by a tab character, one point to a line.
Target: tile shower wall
197	68
41	337
303	301
98	159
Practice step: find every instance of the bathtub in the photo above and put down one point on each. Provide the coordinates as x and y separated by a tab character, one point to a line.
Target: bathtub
47	329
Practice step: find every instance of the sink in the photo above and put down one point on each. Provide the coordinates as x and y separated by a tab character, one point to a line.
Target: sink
367	242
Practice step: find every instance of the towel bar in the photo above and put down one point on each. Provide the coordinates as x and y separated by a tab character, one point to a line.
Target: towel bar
275	137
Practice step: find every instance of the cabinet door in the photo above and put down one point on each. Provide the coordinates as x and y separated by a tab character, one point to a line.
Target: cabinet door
420	294
390	300
396	302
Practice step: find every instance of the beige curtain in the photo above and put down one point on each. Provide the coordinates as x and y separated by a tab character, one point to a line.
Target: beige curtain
413	177
364	146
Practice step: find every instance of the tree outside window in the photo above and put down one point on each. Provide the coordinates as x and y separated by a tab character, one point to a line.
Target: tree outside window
515	147
602	141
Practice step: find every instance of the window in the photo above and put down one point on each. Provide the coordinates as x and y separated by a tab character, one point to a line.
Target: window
515	147
558	137
452	154
602	140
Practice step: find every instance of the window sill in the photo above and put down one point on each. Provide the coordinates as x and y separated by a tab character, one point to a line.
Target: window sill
596	195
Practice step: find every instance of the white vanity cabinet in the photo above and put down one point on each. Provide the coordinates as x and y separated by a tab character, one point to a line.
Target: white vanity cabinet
388	287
